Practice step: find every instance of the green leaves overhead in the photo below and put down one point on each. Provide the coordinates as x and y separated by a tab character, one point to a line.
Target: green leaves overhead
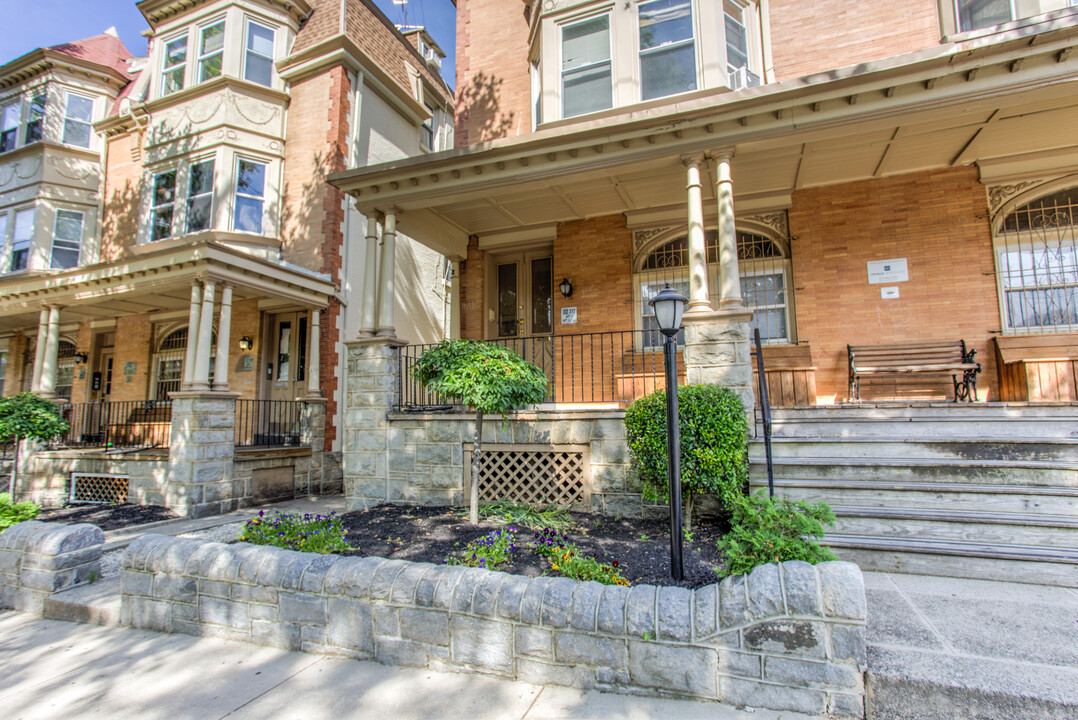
487	377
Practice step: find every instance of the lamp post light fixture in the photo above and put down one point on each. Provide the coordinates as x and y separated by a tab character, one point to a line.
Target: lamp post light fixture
566	287
668	307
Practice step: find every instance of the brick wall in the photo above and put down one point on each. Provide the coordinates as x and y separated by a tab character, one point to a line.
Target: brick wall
123	180
493	81
936	220
246	320
80	385
16	352
133	337
811	37
473	293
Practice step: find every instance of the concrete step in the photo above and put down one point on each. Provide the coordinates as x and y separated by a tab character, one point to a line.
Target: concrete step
906	683
965	559
967	448
1026	529
988	472
97	603
954	496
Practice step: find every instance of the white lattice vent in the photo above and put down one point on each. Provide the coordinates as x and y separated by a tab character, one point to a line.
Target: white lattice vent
537	475
96	488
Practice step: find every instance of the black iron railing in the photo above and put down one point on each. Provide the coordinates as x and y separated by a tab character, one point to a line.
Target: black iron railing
268	423
609	368
134	423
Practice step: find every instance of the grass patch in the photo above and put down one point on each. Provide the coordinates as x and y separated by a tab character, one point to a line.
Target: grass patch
535	518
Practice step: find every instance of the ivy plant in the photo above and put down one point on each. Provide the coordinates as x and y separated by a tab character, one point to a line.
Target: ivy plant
714	444
489	378
28	417
765	530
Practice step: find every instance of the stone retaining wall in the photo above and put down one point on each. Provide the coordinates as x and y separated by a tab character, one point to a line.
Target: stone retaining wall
786	637
38	559
45	477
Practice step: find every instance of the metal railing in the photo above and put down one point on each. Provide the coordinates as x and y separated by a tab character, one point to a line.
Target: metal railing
127	424
609	368
268	423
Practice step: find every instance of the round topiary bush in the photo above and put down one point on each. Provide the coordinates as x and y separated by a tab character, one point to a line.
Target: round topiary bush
714	443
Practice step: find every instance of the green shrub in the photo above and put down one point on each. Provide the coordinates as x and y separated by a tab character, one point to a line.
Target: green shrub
714	443
566	559
766	531
307	533
15	513
490	551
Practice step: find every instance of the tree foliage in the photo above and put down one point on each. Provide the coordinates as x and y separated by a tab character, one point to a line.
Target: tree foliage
487	377
766	530
714	442
29	417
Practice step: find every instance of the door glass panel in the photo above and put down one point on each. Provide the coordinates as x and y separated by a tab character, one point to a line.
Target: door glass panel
284	341
542	297
507	300
301	351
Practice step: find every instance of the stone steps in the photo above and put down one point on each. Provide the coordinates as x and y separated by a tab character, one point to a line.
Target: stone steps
1061	450
97	603
929	471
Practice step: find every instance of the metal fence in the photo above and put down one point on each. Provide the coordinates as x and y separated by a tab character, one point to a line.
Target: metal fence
135	423
268	423
610	368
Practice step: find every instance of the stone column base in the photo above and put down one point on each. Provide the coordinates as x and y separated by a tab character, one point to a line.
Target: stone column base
312	431
200	454
717	351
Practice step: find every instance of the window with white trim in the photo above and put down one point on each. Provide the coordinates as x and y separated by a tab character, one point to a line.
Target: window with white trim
1037	264
10	115
66	239
3	241
173	65
586	71
211	50
977	14
427	132
258	54
35	119
200	196
78	116
667	48
735	21
21	239
250	196
162	205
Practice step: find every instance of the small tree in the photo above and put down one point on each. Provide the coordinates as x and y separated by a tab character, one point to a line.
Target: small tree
28	417
486	377
714	443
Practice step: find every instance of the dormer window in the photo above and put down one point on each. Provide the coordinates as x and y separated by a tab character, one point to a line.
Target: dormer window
9	125
667	48
174	65
258	56
35	117
78	114
211	49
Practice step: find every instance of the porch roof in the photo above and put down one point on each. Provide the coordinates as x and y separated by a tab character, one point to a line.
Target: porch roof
155	281
1005	101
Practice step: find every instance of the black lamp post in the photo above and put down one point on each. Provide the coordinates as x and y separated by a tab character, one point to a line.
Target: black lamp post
668	307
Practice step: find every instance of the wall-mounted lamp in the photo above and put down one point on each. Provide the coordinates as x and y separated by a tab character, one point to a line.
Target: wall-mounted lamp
246	343
80	357
566	287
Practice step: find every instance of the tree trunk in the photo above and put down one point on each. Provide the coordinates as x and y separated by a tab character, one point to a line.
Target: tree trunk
14	470
473	514
687	515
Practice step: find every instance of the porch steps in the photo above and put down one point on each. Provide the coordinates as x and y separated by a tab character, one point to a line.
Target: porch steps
95	604
964	491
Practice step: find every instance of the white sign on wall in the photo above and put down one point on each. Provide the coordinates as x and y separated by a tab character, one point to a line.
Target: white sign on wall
887	271
889	293
568	316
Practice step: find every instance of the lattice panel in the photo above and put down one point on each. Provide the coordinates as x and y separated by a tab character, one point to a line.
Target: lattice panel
88	488
537	475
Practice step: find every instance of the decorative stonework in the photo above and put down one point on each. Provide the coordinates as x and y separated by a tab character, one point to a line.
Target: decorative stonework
1000	194
641	238
38	559
777	221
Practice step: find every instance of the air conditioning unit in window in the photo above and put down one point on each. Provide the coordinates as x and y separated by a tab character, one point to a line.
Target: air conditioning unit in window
742	77
434	61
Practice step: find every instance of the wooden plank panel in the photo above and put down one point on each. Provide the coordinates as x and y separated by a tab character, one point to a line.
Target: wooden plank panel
801	387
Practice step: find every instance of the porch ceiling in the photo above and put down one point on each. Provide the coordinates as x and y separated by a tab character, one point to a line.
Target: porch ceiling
155	282
956	105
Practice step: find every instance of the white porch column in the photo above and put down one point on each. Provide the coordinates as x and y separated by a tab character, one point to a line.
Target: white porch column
224	331
386	296
699	299
39	349
192	336
313	357
368	305
454	300
729	278
52	346
201	379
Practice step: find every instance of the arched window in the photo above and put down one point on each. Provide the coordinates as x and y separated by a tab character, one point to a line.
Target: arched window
763	264
65	369
1037	264
168	363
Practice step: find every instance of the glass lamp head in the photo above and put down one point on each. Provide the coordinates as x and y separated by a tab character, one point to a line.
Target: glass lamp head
668	306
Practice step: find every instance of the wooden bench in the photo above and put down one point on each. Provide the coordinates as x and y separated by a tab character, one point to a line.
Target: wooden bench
949	358
1038	368
791	376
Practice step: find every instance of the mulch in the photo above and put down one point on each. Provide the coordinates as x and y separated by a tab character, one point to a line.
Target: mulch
107	517
641	547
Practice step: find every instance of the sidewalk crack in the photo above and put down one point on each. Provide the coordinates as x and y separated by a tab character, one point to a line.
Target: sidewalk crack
924	619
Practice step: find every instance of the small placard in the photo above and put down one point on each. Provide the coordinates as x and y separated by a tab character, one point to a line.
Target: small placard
568	316
889	293
129	368
887	271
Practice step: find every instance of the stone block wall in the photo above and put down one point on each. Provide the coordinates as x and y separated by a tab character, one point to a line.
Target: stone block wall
38	559
247	462
45	477
786	637
201	450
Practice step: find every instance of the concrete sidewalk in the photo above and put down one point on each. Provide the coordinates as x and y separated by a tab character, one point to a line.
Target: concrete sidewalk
54	669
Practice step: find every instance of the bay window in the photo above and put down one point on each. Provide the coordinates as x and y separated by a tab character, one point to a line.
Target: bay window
258	54
250	196
587	80
9	125
174	65
667	48
211	49
35	119
21	239
78	115
66	239
162	205
977	14
200	196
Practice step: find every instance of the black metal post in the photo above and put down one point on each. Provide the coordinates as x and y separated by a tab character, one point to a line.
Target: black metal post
673	448
765	411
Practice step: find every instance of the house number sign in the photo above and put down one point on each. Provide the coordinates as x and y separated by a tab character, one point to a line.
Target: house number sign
568	316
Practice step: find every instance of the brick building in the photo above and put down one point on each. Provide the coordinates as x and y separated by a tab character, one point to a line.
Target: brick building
172	253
